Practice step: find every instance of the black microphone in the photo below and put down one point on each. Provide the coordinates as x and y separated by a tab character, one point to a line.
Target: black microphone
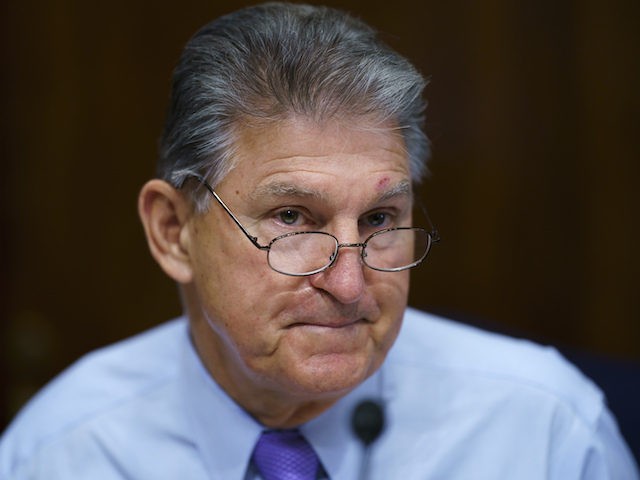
367	423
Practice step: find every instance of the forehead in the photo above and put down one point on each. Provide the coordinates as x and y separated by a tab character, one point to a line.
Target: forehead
304	156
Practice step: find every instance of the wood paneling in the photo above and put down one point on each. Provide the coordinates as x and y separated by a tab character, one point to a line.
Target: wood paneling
532	114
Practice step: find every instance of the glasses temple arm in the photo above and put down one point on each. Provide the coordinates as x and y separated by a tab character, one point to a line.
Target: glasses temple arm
433	232
253	239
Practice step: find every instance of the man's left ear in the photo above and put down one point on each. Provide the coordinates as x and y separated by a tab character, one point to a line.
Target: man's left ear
164	212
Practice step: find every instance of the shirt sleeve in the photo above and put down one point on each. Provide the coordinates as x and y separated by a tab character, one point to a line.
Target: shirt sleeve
594	452
610	457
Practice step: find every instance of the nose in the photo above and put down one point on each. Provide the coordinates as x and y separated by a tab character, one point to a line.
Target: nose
344	280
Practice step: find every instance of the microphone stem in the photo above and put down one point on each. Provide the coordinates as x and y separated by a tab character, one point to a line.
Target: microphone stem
365	463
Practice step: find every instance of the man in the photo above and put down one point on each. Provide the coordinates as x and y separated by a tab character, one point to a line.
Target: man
283	210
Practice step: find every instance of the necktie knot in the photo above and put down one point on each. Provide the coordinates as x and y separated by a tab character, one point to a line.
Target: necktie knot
285	455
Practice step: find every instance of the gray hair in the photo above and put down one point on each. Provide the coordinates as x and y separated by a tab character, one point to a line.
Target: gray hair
270	62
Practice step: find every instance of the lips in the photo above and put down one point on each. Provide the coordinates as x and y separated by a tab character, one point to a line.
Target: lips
329	323
321	311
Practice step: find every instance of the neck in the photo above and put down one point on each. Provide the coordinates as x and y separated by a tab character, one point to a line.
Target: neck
279	416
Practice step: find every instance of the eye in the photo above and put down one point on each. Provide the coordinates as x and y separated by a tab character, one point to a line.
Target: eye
377	219
289	216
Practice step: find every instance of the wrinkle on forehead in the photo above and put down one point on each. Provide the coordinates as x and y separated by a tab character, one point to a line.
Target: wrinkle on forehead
299	159
267	136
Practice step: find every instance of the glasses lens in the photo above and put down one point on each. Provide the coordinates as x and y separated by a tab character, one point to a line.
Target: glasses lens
398	249
302	253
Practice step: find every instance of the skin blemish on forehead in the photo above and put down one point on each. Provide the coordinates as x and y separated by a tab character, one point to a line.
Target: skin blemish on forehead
383	182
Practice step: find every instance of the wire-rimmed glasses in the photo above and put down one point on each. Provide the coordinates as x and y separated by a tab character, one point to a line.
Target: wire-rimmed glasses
306	253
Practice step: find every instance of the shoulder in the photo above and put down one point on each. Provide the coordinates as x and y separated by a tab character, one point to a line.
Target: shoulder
431	343
91	388
513	404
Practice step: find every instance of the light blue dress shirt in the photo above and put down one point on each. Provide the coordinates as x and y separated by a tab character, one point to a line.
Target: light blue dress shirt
460	403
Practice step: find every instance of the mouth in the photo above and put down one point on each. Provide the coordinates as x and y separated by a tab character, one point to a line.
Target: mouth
329	323
328	337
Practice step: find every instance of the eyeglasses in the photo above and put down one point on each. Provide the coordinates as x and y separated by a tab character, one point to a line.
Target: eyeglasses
304	253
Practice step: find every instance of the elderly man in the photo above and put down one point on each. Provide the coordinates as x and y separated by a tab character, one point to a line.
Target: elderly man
283	210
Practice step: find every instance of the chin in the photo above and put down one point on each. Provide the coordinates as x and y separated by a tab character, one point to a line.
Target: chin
333	375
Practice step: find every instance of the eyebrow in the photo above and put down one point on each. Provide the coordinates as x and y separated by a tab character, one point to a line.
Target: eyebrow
284	189
400	189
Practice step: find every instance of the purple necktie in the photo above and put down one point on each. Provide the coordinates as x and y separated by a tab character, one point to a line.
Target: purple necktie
285	455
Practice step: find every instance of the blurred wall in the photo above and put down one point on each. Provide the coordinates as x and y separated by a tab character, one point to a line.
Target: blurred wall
533	116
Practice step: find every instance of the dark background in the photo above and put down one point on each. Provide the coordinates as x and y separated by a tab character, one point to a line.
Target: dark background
533	117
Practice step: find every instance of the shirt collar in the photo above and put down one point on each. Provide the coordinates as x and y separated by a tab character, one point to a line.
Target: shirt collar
224	433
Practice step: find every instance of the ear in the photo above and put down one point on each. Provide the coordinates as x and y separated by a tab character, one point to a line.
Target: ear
164	212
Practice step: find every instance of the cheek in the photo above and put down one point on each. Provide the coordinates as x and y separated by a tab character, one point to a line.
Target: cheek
237	317
231	293
227	263
394	299
242	297
390	293
390	289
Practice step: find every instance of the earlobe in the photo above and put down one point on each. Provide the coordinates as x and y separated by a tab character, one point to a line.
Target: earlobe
164	213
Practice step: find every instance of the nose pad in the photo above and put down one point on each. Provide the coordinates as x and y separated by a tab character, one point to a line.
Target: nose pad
335	256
